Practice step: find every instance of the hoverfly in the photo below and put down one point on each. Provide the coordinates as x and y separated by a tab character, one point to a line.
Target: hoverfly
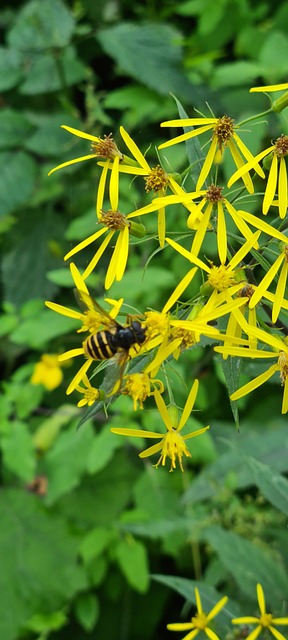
114	339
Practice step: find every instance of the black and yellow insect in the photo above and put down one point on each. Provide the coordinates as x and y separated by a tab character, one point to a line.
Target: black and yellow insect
114	339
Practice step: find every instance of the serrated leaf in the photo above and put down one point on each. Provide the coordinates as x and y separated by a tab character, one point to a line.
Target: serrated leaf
249	565
129	44
41	26
132	558
44	76
33	545
17	179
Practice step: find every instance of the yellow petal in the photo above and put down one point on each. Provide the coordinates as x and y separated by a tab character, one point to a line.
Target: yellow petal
184	136
189	405
98	255
74	161
132	146
265	282
183	284
271	185
254	384
280	292
114	184
85	243
207	164
282	188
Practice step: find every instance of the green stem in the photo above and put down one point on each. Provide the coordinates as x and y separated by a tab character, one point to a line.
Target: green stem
259	115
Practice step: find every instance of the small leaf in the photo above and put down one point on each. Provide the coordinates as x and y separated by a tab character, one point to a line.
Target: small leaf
14	128
87	610
94	543
18	173
273	486
132	559
18	451
44	75
102	450
10	68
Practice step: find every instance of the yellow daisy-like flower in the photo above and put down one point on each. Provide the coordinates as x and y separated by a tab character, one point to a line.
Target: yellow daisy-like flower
265	620
199	622
277	175
90	394
113	222
172	444
47	372
100	148
279	353
90	317
224	135
140	386
212	201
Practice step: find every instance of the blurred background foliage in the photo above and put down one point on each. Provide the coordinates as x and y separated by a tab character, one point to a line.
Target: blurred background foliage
83	522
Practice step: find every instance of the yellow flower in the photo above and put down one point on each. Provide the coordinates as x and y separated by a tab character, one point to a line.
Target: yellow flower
47	372
277	175
172	444
280	353
199	622
90	317
224	135
140	386
90	394
265	620
114	222
212	200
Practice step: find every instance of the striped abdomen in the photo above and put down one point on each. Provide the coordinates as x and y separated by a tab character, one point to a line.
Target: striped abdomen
101	345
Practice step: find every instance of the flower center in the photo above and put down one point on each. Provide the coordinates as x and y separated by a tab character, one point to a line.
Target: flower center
138	387
283	365
246	292
187	337
114	220
266	619
214	194
220	278
106	148
91	395
223	130
156	324
156	180
92	321
173	447
200	621
281	146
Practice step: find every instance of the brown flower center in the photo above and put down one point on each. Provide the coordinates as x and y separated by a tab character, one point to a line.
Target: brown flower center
106	148
223	130
214	193
156	180
114	220
281	146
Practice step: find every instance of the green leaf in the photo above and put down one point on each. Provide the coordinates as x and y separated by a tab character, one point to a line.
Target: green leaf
273	55
42	25
132	558
48	430
158	44
66	462
273	486
33	546
14	128
40	623
46	73
18	172
138	283
94	543
269	449
231	368
249	565
102	450
236	73
10	68
61	277
18	451
36	230
36	332
87	610
48	136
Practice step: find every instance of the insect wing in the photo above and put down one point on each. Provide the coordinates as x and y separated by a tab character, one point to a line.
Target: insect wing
87	303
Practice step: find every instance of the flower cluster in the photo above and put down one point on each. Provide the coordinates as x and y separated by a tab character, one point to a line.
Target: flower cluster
237	301
201	621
